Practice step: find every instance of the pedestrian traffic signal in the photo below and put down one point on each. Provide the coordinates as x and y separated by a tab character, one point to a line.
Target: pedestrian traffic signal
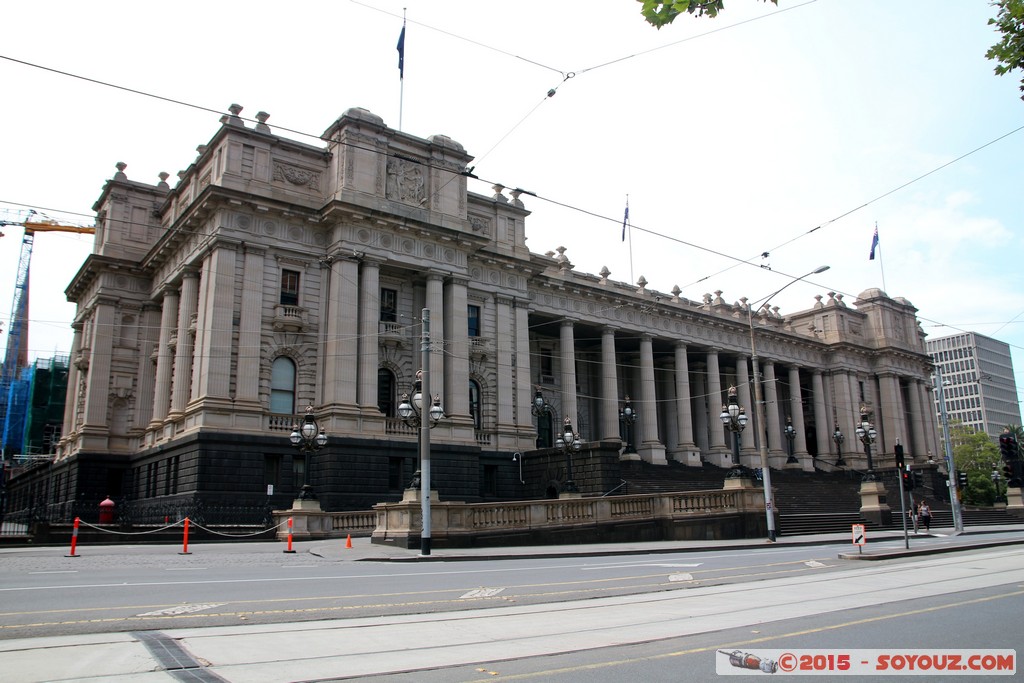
908	480
1008	448
961	480
898	450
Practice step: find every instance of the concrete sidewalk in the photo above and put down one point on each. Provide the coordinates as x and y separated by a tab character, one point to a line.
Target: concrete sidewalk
880	545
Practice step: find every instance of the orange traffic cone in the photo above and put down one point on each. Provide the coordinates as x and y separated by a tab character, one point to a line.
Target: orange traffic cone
348	541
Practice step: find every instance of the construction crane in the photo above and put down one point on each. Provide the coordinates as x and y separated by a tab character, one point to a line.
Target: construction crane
14	390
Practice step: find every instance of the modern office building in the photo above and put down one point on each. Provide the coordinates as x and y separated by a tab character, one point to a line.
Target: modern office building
979	389
277	275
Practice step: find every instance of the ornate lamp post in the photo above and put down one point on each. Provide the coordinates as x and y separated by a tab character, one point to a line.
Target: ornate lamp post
838	437
309	437
790	436
541	410
411	412
867	434
766	470
627	415
734	417
568	441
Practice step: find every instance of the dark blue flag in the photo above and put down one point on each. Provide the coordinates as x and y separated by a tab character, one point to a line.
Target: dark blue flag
401	54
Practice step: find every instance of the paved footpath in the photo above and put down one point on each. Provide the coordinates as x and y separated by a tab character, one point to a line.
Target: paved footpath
280	653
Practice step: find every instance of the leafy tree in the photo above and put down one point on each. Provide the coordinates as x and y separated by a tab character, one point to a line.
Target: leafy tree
658	13
976	454
1009	51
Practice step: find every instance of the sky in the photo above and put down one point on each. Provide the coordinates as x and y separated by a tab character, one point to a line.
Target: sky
751	148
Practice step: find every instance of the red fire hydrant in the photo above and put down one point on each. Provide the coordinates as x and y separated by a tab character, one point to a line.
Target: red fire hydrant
107	511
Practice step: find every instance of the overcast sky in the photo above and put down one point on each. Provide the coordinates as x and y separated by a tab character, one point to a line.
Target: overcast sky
789	130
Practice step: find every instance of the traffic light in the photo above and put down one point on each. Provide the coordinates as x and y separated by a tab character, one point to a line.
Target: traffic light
961	480
918	479
1008	449
908	480
898	450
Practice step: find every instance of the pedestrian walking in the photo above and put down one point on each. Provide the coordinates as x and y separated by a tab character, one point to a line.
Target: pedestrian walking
925	514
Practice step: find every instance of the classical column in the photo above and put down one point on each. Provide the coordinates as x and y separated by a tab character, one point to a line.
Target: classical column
686	449
932	440
715	402
892	426
71	414
146	377
847	415
749	455
521	360
165	356
438	362
567	359
183	351
369	334
700	412
250	326
609	428
456	336
822	420
211	372
776	456
916	450
796	412
341	335
504	351
95	420
651	449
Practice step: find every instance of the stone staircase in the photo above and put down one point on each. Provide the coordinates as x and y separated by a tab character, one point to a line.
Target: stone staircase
808	503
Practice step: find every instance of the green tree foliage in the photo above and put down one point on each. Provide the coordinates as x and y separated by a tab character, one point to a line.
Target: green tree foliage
1009	51
976	454
659	13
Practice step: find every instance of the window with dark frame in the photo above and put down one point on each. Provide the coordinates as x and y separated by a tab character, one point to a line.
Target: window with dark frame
490	480
388	305
473	320
289	288
547	364
386	392
475	410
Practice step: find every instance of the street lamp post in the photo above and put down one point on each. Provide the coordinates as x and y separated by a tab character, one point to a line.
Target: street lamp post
541	410
309	437
734	417
790	436
766	477
628	417
954	499
867	434
838	437
996	478
411	412
568	441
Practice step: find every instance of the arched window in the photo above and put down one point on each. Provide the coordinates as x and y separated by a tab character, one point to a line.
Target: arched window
282	386
474	404
386	392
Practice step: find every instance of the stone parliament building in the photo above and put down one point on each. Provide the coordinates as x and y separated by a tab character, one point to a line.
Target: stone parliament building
277	275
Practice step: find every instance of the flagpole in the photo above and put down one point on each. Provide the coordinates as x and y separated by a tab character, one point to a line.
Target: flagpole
881	266
626	222
401	71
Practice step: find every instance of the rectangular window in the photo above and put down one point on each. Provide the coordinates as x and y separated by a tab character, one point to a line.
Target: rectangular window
298	471
490	480
289	288
396	470
272	471
473	320
388	305
547	364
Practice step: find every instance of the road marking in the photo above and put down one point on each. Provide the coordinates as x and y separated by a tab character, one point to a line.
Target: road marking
181	609
183	569
674	565
481	593
63	571
815	563
680	577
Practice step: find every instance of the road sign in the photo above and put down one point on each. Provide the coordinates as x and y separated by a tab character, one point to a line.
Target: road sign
859	537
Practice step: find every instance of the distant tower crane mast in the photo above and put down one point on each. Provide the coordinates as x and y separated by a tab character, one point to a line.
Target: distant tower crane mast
16	357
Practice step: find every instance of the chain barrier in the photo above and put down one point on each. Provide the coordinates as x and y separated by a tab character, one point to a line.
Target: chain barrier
250	535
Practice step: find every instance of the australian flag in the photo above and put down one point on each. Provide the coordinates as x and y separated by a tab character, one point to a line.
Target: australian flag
874	245
401	54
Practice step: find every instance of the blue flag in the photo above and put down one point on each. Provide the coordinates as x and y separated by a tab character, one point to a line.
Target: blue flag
874	245
401	54
625	219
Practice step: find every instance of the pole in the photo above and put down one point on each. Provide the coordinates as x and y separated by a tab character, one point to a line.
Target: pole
762	437
289	550
184	550
954	498
74	539
425	402
903	508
